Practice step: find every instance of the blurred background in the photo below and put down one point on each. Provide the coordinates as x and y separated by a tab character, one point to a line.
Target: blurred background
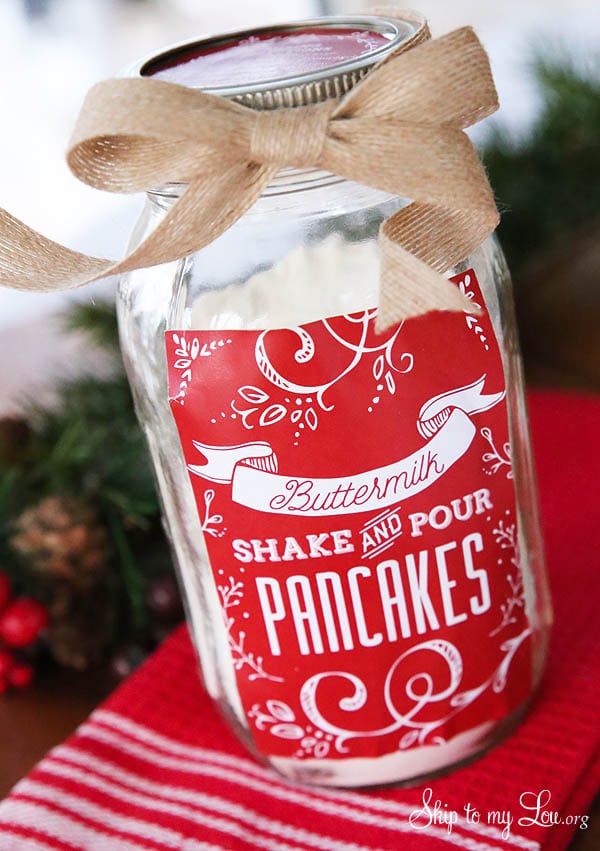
85	577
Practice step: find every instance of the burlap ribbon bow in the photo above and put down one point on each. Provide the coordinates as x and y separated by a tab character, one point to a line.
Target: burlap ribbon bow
399	130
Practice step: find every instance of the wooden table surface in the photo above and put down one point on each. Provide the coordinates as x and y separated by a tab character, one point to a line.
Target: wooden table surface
34	720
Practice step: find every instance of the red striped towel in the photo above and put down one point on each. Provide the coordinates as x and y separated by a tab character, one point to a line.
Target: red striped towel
156	768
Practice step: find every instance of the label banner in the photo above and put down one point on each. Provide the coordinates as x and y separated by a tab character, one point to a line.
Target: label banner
250	467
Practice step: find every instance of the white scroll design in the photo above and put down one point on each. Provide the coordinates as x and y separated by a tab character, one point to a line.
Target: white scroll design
306	351
420	691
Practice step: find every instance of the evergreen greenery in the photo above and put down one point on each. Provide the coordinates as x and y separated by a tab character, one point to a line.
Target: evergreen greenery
548	183
90	447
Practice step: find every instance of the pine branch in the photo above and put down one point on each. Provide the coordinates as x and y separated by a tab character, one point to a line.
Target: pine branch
91	443
549	182
98	319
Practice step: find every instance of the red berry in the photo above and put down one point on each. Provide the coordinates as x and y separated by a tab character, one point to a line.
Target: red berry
4	591
20	675
22	622
3	685
7	660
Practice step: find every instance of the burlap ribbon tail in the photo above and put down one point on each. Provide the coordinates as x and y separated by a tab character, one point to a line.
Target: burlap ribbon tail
400	130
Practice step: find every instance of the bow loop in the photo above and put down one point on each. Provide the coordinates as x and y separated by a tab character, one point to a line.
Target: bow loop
291	137
445	81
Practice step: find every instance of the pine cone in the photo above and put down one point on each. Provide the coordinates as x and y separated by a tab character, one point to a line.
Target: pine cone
82	622
63	539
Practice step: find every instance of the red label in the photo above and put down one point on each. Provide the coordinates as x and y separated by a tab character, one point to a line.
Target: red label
355	493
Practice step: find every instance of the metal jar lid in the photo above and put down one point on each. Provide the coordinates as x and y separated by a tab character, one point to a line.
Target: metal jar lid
313	87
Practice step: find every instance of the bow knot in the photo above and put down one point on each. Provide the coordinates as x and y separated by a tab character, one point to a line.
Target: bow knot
291	137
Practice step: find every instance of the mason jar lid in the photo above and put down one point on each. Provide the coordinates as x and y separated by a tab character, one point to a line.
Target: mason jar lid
334	70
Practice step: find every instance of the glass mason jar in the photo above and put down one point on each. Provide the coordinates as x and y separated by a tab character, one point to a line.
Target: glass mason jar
353	515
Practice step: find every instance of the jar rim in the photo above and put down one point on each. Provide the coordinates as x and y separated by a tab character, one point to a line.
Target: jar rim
332	81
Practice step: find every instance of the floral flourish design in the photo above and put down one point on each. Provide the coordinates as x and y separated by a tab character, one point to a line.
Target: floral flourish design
280	720
497	458
304	403
231	596
506	538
